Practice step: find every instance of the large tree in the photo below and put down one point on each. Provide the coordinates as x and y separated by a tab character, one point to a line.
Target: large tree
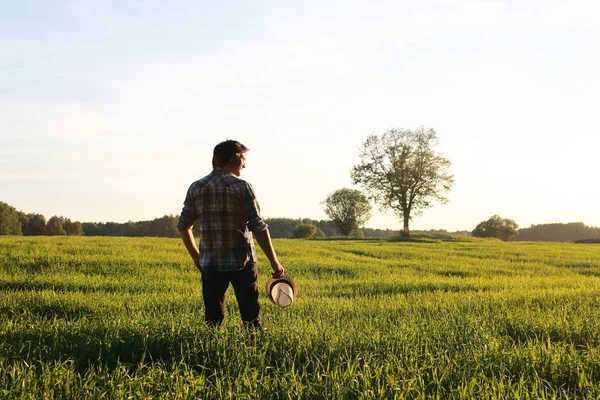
36	224
349	209
497	227
402	171
54	227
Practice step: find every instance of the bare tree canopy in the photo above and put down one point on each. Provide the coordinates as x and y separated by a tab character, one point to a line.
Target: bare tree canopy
401	170
348	209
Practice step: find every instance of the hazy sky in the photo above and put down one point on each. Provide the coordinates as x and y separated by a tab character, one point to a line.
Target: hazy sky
110	109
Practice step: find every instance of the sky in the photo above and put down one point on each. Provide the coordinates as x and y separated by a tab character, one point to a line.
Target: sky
109	110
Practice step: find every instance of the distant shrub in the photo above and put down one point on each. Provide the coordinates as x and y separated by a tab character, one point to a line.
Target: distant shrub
320	234
357	234
304	231
496	227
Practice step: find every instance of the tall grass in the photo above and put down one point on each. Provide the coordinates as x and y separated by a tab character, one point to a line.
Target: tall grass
123	318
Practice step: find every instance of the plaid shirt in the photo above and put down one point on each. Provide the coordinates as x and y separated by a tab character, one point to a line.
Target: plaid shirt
227	209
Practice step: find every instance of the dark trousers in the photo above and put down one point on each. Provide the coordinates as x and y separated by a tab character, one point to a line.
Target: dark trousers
245	285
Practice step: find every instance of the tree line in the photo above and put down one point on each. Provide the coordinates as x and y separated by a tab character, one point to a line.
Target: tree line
508	230
14	222
569	232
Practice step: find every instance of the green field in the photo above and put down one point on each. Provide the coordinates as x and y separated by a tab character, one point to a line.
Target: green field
123	318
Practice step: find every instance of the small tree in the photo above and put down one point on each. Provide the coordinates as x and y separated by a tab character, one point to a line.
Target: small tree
402	171
349	209
304	231
497	227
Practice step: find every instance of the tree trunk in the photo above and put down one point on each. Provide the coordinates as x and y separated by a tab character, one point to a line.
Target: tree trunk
406	232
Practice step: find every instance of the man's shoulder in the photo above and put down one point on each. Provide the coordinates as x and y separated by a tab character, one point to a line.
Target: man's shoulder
219	178
202	181
241	184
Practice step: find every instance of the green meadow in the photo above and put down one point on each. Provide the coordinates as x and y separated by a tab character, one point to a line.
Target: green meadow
92	317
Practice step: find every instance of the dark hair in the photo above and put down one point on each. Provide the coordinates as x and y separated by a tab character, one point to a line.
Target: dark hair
225	152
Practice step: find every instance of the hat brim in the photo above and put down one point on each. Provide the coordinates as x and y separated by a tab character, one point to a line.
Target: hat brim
285	279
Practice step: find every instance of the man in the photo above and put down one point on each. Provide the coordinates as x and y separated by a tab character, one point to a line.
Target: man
228	212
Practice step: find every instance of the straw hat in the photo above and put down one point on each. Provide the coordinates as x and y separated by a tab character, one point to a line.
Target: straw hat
282	291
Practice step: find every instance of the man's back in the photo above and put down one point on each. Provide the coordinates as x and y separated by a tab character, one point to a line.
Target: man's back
227	209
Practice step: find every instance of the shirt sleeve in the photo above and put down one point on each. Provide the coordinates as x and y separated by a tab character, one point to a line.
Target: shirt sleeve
189	214
255	222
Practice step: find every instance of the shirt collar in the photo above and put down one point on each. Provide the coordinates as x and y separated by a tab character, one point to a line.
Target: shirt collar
221	171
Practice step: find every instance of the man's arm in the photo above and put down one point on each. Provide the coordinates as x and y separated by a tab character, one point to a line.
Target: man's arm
261	231
188	240
186	222
264	241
